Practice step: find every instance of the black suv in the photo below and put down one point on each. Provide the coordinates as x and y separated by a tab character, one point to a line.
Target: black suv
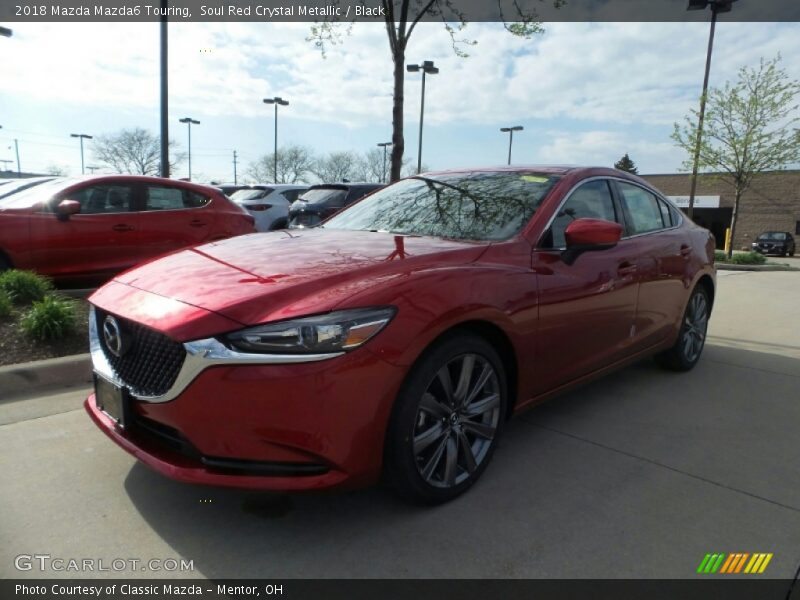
321	201
775	242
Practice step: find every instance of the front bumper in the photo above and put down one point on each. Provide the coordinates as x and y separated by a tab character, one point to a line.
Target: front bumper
230	421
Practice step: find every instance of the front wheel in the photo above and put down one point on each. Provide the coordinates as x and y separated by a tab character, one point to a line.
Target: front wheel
683	356
447	420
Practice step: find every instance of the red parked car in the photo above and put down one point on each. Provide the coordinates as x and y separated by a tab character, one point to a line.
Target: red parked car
93	227
397	337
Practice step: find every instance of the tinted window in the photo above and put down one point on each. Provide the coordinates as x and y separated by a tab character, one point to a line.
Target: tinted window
773	235
103	199
327	197
469	206
291	195
254	194
169	198
592	200
642	209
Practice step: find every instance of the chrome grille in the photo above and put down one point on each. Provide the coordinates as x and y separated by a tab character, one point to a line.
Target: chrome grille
152	361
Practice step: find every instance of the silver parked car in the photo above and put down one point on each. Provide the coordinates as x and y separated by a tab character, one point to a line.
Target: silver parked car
268	203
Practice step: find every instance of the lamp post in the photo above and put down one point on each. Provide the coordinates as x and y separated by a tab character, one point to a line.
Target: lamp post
189	122
277	101
510	131
81	137
384	145
427	68
717	6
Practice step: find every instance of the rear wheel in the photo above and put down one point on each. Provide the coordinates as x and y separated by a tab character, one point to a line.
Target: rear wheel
684	355
4	263
447	420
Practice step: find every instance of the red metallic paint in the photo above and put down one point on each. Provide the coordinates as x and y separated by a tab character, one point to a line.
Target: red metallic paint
100	245
559	324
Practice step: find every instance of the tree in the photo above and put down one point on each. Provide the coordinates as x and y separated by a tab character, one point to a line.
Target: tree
370	166
336	167
401	17
749	128
294	165
626	164
57	170
135	151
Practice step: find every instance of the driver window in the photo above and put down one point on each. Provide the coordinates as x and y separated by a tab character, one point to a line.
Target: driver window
592	200
103	199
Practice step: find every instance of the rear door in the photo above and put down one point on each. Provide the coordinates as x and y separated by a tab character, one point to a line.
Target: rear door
664	256
101	239
172	217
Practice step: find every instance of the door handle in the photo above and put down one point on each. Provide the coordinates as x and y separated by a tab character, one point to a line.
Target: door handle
685	249
626	268
197	223
122	227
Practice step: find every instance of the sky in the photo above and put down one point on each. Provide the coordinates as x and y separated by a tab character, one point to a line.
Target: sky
585	93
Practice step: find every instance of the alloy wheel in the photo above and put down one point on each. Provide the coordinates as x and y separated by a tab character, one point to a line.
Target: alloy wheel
456	422
694	327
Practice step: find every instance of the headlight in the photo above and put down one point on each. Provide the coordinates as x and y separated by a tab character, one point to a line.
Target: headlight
334	332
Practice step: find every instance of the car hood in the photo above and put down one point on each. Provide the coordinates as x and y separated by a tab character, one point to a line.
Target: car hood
265	277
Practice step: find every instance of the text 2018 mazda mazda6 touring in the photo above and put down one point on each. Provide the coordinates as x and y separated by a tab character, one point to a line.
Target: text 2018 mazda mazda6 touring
397	337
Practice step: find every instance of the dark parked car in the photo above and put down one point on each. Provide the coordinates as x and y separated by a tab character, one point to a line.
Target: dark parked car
398	337
322	201
775	242
89	228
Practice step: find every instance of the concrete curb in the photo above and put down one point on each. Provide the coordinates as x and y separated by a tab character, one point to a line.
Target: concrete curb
732	267
26	379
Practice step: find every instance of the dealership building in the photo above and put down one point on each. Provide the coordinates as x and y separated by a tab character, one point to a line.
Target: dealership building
772	203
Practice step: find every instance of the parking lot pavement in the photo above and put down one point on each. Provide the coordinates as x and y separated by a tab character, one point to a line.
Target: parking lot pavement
636	475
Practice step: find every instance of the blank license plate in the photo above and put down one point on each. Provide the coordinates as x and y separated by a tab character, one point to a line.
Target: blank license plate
110	399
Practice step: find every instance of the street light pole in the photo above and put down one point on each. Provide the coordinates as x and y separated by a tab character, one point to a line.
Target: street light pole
427	68
384	145
717	6
164	91
189	122
81	137
277	101
510	131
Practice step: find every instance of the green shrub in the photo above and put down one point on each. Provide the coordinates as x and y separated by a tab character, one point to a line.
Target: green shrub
24	287
748	258
719	256
49	319
5	304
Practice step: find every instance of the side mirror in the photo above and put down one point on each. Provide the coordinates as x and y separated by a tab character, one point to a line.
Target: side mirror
66	208
585	235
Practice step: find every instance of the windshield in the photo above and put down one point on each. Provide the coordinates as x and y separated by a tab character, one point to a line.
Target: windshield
463	206
38	193
772	235
324	196
251	194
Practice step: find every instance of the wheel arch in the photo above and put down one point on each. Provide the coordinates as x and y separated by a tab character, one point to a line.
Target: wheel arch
707	284
498	339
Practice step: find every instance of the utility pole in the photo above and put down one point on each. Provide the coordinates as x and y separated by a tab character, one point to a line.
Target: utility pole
235	180
16	147
164	94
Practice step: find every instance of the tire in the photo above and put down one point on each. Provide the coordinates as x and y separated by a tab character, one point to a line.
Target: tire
447	421
791	253
683	356
4	263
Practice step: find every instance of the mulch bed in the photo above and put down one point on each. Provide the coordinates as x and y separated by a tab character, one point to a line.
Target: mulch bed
16	347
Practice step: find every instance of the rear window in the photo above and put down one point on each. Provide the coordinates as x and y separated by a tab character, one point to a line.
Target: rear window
325	197
251	194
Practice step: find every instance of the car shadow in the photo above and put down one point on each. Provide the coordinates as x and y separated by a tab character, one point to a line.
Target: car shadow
562	473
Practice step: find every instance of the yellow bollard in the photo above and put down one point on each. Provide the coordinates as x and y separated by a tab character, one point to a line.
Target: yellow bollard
727	240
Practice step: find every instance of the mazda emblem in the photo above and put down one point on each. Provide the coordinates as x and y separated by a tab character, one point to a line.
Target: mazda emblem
112	336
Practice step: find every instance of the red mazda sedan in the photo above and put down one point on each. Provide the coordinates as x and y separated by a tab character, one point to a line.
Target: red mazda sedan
397	337
91	228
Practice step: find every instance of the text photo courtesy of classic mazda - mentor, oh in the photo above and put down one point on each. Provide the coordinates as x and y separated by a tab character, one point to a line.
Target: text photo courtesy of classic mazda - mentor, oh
395	339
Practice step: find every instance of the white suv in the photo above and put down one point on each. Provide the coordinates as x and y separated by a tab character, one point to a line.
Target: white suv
268	203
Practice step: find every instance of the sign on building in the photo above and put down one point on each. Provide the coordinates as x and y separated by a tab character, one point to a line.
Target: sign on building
699	201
